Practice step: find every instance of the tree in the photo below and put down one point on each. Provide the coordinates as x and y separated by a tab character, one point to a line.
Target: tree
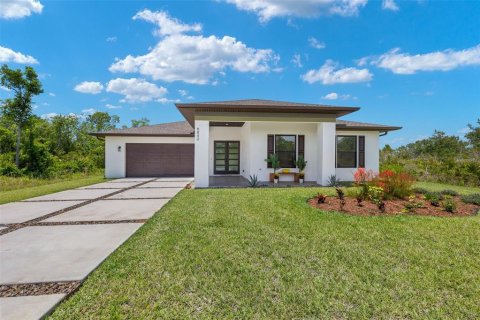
473	136
101	121
64	130
24	85
140	123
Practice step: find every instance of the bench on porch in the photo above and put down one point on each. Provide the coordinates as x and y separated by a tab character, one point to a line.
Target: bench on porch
280	174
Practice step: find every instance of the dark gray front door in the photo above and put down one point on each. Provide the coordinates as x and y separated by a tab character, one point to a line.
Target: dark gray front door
227	157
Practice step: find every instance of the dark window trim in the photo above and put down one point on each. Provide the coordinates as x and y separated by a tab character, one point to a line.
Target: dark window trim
356	151
296	147
226	159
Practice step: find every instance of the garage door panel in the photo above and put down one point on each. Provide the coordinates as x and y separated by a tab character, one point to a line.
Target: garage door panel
159	159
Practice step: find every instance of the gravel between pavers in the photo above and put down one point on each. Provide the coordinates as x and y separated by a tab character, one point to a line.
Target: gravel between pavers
66	223
17	226
38	289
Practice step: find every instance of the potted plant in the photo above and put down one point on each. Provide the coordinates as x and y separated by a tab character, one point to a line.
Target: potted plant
301	164
301	176
275	163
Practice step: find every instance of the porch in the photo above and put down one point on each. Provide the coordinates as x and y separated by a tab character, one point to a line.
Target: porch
242	182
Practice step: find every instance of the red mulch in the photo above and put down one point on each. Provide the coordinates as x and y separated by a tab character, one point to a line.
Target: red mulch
393	207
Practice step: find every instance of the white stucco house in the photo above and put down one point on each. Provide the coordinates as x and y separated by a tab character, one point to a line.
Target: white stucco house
233	138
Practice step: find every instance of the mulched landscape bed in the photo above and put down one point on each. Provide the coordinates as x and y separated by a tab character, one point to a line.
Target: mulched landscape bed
38	289
394	207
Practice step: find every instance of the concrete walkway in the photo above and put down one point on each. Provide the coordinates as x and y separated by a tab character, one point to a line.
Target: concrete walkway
49	244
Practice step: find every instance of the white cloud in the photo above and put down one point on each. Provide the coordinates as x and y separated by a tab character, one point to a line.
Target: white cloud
389	5
336	96
331	96
49	116
136	90
268	9
111	106
51	94
16	9
329	73
90	87
111	39
4	88
183	93
8	55
297	60
194	59
404	63
165	100
166	24
89	111
315	43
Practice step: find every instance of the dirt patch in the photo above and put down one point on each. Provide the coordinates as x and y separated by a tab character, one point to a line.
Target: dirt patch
38	289
394	207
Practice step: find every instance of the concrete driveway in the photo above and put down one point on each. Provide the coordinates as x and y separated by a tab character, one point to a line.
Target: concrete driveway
49	244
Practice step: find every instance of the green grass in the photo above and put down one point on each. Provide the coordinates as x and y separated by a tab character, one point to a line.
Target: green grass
433	186
16	189
265	254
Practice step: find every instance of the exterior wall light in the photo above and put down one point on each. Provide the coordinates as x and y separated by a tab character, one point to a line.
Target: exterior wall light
119	148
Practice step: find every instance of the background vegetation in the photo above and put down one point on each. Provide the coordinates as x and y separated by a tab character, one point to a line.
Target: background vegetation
439	158
52	148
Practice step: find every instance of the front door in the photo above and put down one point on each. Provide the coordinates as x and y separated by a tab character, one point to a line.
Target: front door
227	157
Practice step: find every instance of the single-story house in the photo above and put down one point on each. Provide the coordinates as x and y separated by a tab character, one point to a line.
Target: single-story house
235	137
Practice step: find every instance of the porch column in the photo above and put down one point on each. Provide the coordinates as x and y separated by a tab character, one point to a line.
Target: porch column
202	130
326	151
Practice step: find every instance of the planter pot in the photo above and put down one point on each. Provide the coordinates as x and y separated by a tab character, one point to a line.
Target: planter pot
300	180
275	180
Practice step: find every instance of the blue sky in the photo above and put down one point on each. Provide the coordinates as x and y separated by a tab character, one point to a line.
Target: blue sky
415	64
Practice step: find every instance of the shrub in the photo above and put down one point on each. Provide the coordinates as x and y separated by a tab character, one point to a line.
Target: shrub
449	192
434	198
363	179
341	197
333	181
253	181
394	185
420	190
375	194
321	198
412	204
472	198
449	205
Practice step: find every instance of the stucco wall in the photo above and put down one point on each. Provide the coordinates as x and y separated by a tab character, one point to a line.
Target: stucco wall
115	160
371	153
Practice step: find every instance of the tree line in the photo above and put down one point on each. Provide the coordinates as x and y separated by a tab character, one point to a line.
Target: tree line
439	158
59	145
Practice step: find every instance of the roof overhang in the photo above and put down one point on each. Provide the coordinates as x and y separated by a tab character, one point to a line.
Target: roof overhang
110	134
343	127
188	110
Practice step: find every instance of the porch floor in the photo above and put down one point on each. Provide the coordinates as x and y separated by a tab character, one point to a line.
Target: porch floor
241	182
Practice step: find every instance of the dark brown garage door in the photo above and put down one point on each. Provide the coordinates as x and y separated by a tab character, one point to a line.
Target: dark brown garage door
159	159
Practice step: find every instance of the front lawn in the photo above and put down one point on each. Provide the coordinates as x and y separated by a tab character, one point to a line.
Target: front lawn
265	254
436	187
16	189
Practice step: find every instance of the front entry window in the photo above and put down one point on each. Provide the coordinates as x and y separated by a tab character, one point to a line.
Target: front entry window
227	157
285	149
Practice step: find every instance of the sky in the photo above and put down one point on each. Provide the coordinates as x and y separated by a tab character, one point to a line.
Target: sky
414	64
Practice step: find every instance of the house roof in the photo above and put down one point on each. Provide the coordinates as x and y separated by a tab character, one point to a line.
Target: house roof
172	129
184	129
257	105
